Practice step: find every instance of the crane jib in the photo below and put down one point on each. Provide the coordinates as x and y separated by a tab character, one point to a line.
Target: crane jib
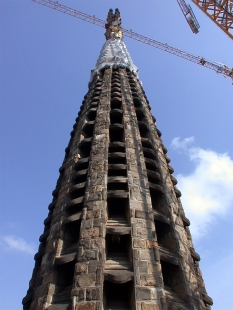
218	67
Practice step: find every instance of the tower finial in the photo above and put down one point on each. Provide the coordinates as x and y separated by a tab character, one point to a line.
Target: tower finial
113	26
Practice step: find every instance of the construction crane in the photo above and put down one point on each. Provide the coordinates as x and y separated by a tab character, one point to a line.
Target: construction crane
220	12
218	67
189	16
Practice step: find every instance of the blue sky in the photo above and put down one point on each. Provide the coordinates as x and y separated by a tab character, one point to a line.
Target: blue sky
46	59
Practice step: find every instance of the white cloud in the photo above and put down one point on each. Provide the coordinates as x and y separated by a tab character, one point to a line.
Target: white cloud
207	192
178	144
16	244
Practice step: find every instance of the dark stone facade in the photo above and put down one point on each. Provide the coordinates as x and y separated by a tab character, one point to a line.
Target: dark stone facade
116	236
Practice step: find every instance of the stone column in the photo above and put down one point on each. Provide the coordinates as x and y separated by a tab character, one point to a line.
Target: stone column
147	270
87	292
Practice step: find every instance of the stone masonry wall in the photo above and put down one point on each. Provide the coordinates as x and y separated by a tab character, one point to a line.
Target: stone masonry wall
116	236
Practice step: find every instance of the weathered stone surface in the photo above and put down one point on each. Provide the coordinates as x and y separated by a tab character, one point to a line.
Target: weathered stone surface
85	306
142	265
146	254
90	233
154	268
143	293
142	214
148	280
86	280
93	214
81	267
93	294
150	306
137	243
79	293
150	244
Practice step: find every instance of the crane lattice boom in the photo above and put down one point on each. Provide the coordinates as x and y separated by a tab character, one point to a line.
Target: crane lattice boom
218	67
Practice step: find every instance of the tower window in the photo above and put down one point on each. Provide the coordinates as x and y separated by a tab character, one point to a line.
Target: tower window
118	208
78	191
146	143
115	170
65	275
173	279
151	164
116	147
153	177
75	206
148	153
80	176
71	234
118	296
143	129
116	158
85	148
116	133
137	103
82	164
116	103
140	114
159	202
118	186
164	235
88	129
91	114
118	250
116	116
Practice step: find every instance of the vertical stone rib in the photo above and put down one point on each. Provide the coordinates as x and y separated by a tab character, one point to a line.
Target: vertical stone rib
88	283
147	269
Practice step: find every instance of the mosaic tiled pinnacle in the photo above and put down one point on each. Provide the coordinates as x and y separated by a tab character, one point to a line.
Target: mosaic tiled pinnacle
116	236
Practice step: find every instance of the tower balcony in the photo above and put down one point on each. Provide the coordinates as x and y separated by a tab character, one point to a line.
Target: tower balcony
118	215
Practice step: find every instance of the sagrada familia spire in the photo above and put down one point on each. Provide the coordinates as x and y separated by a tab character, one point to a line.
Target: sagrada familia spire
116	235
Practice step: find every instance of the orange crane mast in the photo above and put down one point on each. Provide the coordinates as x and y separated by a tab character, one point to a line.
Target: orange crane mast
218	67
220	12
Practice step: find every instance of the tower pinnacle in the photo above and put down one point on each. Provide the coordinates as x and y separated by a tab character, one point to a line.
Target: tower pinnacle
113	27
114	52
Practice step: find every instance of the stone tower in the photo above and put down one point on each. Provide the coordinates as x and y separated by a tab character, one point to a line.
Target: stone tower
116	236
